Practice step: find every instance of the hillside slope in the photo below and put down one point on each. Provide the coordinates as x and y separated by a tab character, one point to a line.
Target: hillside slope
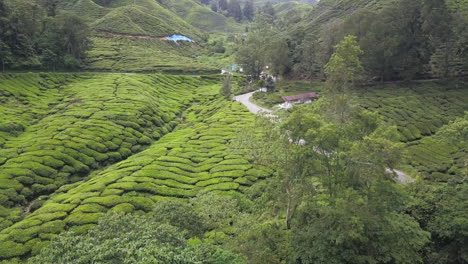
201	16
327	11
129	37
88	140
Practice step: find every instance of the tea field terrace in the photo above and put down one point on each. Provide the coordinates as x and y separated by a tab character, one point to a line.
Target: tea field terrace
58	128
192	159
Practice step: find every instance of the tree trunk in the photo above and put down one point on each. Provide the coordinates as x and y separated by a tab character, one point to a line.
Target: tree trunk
288	214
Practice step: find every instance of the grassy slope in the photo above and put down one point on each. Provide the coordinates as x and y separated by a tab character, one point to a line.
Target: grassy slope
126	54
260	3
328	11
144	55
201	16
100	120
86	9
288	12
419	111
283	8
90	122
146	19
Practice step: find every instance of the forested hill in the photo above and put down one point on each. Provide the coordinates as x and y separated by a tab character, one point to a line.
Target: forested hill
400	39
97	35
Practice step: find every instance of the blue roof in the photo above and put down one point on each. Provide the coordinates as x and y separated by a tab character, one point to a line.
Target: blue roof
176	38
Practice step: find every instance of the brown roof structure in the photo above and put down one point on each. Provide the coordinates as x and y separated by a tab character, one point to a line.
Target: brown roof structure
306	96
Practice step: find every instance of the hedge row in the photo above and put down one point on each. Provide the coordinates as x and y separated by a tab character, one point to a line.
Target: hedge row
418	110
72	128
438	158
192	159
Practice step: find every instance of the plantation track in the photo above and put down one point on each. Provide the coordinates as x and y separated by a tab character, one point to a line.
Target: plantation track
245	100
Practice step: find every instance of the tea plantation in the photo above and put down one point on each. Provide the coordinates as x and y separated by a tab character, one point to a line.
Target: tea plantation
442	157
418	109
55	132
111	54
54	174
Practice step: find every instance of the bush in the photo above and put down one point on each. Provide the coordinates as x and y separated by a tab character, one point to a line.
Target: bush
83	218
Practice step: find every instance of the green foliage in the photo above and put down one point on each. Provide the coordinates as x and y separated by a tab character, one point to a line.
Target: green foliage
400	39
201	17
332	191
181	215
441	210
124	237
226	89
73	136
113	53
349	231
216	211
30	39
344	66
138	20
192	159
253	54
279	61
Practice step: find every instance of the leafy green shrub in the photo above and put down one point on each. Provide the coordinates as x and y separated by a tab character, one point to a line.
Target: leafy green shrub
12	249
82	218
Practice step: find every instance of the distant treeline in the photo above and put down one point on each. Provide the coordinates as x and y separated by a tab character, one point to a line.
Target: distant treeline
34	35
238	10
404	40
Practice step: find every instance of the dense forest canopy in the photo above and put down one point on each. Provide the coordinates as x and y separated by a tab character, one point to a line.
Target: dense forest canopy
404	40
34	34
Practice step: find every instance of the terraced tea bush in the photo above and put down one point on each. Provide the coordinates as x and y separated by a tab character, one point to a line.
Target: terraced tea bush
193	159
112	53
418	109
122	238
442	157
25	98
70	128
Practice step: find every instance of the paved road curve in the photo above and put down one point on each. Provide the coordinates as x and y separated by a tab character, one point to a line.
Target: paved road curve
245	100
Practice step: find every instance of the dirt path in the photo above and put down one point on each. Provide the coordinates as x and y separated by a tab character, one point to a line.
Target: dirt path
130	36
245	100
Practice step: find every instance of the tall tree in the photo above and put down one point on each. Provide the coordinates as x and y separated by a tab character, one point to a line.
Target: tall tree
24	27
222	5
409	46
50	6
64	41
269	10
253	52
249	10
214	7
234	10
437	23
278	55
344	68
307	65
226	88
5	55
5	52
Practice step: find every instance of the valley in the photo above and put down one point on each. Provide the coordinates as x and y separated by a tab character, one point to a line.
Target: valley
119	144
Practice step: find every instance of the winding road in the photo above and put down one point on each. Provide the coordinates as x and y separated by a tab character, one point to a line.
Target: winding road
245	100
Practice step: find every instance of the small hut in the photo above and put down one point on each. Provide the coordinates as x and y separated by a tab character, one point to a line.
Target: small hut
305	98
